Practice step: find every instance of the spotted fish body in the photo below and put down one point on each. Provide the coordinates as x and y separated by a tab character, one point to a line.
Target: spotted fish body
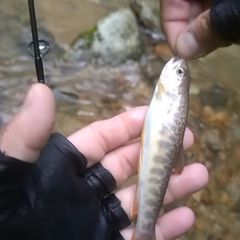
162	144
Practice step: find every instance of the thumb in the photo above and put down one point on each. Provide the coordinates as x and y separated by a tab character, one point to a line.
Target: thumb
199	38
28	132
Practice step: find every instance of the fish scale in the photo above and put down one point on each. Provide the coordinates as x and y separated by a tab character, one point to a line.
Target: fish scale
162	141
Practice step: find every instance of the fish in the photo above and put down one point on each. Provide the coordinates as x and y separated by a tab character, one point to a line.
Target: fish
161	145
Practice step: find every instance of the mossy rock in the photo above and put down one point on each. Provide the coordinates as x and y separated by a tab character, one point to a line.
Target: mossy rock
114	39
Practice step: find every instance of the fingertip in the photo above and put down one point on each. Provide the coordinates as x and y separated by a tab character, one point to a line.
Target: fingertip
29	130
181	219
187	46
199	38
172	33
39	91
188	138
193	178
195	175
201	170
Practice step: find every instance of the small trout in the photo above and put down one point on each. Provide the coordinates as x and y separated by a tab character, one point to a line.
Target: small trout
162	145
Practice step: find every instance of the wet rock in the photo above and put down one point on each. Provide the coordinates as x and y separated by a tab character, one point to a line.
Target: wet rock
236	207
206	197
236	151
218	119
223	175
195	107
152	68
10	29
232	188
147	13
216	96
115	39
200	224
212	139
16	35
163	51
118	38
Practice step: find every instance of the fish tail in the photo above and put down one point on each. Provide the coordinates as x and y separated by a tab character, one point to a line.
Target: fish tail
137	236
134	236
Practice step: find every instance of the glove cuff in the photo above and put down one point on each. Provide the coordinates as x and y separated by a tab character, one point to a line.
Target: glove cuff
225	18
100	179
114	212
13	174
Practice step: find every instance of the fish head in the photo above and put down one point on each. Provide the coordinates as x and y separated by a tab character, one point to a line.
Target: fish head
175	76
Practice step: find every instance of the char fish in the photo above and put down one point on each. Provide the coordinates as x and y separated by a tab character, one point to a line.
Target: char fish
162	145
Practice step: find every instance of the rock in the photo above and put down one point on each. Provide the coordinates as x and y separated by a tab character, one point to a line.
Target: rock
118	38
216	96
212	139
10	29
115	39
236	207
218	119
236	151
205	197
200	224
147	13
223	175
233	191
163	51
16	35
195	107
152	69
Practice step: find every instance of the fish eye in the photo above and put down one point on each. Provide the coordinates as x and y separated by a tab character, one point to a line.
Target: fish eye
181	71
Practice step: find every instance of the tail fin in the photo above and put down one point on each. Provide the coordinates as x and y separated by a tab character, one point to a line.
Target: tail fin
137	236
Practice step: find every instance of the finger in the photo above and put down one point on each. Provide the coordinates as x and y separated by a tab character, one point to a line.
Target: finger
27	133
199	38
108	134
193	178
175	16
180	219
122	162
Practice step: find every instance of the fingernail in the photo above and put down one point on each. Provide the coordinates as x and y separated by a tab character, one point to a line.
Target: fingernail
187	46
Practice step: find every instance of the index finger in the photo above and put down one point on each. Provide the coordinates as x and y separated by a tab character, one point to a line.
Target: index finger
103	136
175	16
99	138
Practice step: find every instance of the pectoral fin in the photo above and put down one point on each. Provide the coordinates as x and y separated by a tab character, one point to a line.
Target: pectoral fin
134	210
160	90
161	212
180	162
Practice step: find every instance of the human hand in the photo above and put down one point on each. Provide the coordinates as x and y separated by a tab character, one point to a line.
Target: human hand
121	159
195	28
64	201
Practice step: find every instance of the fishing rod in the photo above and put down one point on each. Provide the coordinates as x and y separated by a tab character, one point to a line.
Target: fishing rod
37	48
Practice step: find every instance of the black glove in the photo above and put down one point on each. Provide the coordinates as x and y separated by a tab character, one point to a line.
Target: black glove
58	198
225	18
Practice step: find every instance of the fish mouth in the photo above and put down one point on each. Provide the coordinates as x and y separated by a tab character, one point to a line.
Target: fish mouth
177	59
